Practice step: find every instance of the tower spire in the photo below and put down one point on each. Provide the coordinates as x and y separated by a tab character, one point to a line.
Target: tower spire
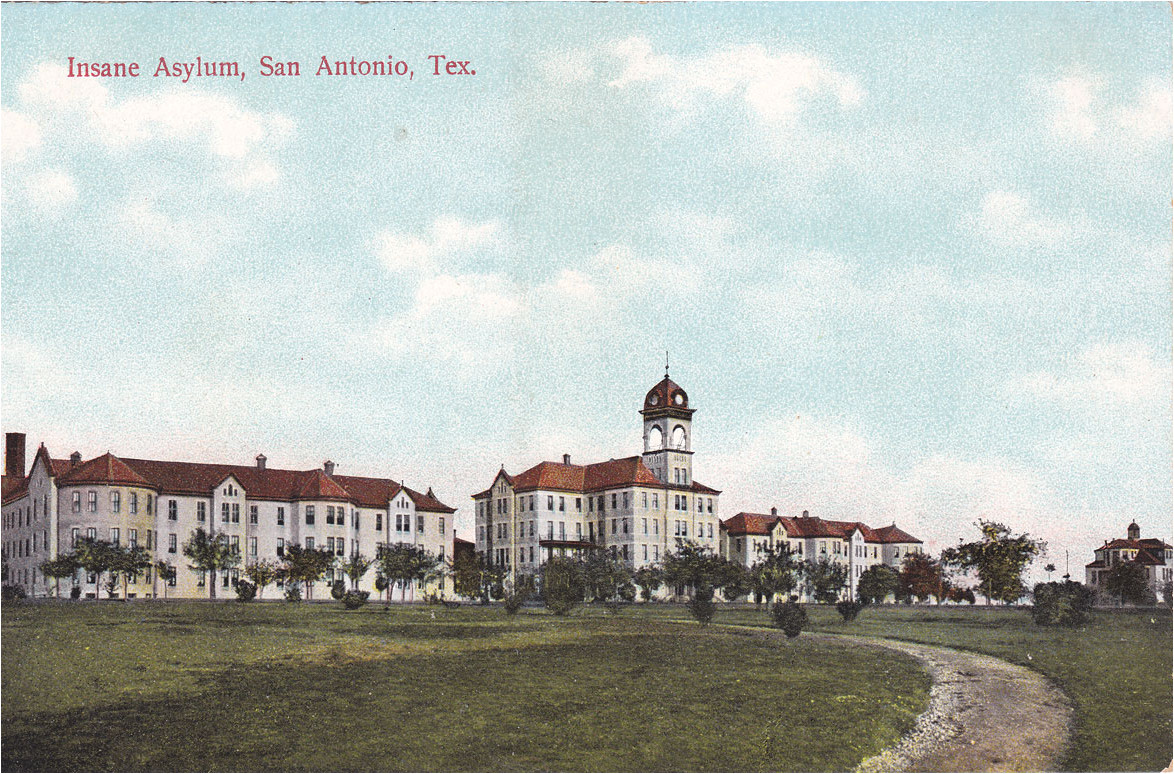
666	364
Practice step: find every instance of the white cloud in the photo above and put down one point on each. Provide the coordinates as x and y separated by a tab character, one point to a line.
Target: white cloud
1071	114
1009	218
144	225
775	87
256	175
20	135
447	237
50	189
1150	117
1119	373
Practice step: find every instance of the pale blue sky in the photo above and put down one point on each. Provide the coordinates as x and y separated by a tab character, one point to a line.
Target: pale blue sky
912	261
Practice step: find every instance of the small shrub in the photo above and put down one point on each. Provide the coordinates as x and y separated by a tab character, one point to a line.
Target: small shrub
628	592
521	592
293	593
10	591
562	584
702	606
338	590
245	591
353	600
1061	604
791	617
848	610
75	592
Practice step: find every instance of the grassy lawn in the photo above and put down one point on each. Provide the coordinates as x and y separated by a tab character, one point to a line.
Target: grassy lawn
1117	670
193	686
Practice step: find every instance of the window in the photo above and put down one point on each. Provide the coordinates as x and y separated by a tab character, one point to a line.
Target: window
150	503
171	543
709	529
200	580
419	523
709	505
115	501
280	516
531	502
134	502
656	553
224	512
645	547
550	530
562	503
330	545
236	513
656	526
613	501
579	504
173	510
133	538
379	522
114	535
625	499
309	514
550	502
74	534
236	544
330	514
91	533
309	544
201	511
645	529
699	505
442	525
252	514
150	542
92	502
613	524
625	526
562	530
280	547
591	505
252	546
655	500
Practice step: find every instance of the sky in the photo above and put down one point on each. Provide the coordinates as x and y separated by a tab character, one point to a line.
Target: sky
912	262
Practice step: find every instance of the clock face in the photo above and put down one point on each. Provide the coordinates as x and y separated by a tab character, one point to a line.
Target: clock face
678	399
654	399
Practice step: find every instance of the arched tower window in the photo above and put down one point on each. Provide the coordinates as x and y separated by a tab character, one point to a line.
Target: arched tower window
679	439
655	439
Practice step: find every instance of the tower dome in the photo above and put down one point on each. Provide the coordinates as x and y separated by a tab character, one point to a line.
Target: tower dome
666	394
1134	531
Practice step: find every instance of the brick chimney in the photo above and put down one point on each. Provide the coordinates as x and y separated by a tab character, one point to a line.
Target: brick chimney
566	459
261	461
774	511
14	445
328	467
806	515
75	459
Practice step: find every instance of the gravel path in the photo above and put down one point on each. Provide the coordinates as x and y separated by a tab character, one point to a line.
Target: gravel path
984	714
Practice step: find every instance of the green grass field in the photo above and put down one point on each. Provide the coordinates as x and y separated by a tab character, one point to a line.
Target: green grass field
1117	670
193	686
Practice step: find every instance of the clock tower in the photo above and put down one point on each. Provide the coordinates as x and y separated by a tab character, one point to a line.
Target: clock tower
668	433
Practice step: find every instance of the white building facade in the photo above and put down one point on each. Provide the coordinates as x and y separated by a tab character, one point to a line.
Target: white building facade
1154	556
158	505
634	507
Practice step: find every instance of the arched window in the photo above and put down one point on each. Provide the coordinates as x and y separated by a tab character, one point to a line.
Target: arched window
678	437
655	439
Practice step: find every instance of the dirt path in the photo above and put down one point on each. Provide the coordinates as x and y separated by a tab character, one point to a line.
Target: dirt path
984	714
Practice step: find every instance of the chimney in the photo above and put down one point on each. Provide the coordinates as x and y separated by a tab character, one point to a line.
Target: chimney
566	459
261	462
774	511
328	467
75	459
805	514
14	455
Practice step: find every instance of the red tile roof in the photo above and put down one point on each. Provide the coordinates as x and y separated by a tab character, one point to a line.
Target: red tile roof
200	478
1136	544
596	477
664	395
810	527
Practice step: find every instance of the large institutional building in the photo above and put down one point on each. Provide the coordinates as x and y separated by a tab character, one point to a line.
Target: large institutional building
635	507
159	505
1154	556
852	544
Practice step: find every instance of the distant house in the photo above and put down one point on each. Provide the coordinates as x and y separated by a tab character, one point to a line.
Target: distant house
853	544
1153	555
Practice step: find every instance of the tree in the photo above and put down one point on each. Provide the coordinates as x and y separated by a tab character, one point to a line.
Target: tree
1061	604
356	567
261	573
95	556
999	558
405	564
210	553
64	566
564	584
649	579
1049	568
129	562
1128	582
305	566
734	581
876	583
825	579
164	572
474	578
923	577
693	567
605	575
776	572
1167	592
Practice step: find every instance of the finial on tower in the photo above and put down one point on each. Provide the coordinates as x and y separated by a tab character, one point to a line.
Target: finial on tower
666	364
